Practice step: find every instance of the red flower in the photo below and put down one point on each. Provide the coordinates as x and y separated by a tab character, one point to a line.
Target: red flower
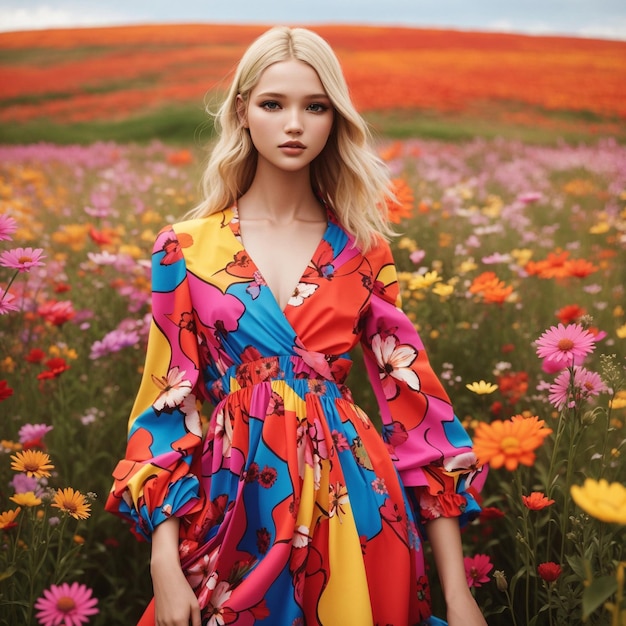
55	367
536	501
570	313
267	477
477	569
5	390
549	571
35	356
489	513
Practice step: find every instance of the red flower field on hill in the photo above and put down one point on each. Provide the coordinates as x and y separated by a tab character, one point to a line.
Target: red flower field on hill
70	75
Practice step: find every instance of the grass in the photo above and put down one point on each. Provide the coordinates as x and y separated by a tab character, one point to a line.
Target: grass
188	125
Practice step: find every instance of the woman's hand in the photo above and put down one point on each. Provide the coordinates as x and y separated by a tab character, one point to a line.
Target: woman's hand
463	611
175	603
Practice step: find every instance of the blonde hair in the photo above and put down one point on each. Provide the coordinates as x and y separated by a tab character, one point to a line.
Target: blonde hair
347	174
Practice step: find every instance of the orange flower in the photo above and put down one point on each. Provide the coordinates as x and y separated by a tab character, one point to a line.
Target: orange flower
402	207
180	157
580	268
509	443
536	501
570	313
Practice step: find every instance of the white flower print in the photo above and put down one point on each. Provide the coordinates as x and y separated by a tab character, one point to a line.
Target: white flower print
301	537
224	431
192	417
301	293
174	389
393	359
221	594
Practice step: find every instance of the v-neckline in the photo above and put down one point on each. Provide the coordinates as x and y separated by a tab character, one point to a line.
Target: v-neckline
235	229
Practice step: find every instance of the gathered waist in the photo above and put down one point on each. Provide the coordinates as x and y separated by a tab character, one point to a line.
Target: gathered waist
307	367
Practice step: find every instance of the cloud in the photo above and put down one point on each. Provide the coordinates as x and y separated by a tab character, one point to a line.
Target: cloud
44	16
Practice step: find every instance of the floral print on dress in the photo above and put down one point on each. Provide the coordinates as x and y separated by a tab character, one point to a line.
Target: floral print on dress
289	480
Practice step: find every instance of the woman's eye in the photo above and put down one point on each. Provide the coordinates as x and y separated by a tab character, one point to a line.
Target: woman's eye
270	105
316	107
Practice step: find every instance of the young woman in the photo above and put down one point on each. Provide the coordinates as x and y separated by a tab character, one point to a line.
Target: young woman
288	507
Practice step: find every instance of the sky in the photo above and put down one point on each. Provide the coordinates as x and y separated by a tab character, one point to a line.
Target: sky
585	18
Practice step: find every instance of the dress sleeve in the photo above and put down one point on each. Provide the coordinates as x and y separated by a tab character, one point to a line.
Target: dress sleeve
429	446
158	477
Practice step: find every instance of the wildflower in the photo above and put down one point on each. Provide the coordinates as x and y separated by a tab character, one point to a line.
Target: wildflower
482	388
113	341
5	390
27	498
501	582
621	331
66	604
423	281
55	312
6	302
574	386
442	290
509	443
21	259
7	519
72	502
476	569
36	355
31	435
565	343
570	313
54	368
32	463
536	501
401	206
549	571
7	227
604	501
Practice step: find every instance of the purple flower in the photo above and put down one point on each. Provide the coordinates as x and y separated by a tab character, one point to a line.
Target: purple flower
114	341
33	432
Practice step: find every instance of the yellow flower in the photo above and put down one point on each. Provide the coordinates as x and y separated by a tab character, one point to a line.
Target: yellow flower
604	501
28	498
7	519
600	228
406	243
443	290
467	266
9	446
619	401
423	281
482	388
34	462
72	502
522	255
7	365
621	331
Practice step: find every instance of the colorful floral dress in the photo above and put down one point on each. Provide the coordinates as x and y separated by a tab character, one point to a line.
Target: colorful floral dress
294	509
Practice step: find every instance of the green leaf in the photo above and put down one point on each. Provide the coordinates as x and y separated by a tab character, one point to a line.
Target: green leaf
599	591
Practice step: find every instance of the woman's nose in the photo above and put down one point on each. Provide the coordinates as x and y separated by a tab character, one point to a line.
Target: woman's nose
293	123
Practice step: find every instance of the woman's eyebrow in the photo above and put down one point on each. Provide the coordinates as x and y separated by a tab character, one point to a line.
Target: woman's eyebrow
273	94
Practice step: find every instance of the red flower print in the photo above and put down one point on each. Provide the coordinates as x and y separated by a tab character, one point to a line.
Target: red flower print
252	474
242	266
422	589
549	571
262	540
267	477
173	247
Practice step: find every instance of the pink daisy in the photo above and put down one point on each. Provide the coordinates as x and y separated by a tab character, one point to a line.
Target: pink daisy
6	302
571	387
7	227
33	432
21	259
476	569
66	605
565	343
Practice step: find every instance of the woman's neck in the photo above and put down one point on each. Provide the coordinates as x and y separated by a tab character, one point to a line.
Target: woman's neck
280	197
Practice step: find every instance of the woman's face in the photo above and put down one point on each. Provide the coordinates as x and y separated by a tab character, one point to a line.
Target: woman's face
289	115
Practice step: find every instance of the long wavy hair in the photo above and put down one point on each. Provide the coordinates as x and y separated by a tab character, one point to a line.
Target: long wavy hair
347	174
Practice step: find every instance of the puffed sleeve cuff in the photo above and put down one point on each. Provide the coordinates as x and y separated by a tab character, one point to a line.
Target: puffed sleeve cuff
431	506
160	497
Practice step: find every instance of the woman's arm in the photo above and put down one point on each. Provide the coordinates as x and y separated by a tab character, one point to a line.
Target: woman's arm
175	601
444	537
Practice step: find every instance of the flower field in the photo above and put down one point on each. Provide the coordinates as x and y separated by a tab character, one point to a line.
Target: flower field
85	75
511	259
